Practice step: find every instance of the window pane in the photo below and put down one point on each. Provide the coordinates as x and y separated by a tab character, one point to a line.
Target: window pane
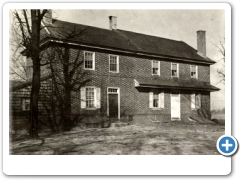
113	67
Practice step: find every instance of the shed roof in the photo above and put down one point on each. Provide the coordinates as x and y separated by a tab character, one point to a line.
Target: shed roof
176	84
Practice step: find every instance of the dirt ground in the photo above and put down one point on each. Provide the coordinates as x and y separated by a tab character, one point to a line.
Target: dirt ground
160	139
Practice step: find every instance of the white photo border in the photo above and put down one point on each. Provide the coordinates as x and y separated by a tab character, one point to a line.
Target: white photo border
106	165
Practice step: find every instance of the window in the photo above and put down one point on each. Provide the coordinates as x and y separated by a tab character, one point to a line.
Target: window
90	100
195	100
156	99
174	70
113	63
25	104
90	97
155	67
193	71
89	60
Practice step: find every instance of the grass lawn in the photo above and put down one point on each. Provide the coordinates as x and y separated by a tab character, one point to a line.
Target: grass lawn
172	138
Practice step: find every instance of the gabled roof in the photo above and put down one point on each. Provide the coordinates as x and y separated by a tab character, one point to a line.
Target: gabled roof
123	40
176	84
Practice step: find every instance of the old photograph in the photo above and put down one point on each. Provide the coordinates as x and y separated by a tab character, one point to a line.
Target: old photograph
116	81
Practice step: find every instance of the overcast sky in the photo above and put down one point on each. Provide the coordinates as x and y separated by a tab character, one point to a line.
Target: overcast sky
172	24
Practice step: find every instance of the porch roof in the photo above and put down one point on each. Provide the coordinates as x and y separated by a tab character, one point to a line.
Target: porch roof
174	83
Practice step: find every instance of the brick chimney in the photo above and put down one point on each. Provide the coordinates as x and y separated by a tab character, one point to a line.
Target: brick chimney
48	17
112	22
201	43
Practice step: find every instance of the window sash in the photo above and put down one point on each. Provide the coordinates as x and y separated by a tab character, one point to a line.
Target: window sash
155	64
174	70
113	61
155	100
90	97
193	71
193	68
174	67
88	60
155	67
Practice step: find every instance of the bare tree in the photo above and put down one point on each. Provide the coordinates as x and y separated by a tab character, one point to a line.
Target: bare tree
68	78
28	23
17	63
221	71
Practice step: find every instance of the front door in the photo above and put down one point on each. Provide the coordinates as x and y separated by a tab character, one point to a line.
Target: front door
113	105
175	106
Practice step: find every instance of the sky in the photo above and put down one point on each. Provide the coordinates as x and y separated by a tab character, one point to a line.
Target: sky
171	24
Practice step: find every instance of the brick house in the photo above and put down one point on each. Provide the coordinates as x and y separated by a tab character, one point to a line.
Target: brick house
151	78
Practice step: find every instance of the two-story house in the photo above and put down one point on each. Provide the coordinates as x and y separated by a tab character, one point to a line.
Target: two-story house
149	77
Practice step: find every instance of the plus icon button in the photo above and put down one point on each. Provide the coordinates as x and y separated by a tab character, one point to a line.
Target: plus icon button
227	145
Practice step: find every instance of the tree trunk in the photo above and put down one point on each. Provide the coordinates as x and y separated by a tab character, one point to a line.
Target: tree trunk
67	125
33	132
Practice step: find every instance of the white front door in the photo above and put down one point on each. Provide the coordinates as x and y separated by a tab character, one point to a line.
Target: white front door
175	106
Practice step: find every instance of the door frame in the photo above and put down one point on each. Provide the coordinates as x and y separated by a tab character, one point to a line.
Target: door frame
118	93
178	92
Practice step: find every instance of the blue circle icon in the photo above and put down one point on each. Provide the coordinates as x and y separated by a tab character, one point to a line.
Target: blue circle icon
227	145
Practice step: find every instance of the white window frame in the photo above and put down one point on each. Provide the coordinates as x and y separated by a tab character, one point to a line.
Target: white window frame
196	69
93	65
177	70
151	94
158	68
117	63
193	104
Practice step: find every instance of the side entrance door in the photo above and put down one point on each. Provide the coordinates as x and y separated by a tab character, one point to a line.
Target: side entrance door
175	106
113	105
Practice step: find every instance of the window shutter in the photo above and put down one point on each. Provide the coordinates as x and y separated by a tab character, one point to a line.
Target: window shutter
196	72
193	101
177	70
152	67
150	99
159	68
161	99
93	61
83	97
98	98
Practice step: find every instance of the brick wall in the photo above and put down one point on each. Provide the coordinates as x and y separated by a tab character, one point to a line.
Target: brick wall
136	100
